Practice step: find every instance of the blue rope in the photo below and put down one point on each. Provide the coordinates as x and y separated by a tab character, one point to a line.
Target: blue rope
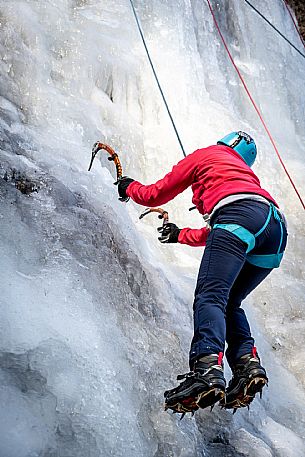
277	30
156	78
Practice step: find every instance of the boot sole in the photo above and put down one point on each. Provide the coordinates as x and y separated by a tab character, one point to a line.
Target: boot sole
207	399
202	400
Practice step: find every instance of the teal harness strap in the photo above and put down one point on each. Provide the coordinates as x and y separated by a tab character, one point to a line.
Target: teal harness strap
279	219
241	233
267	221
260	260
265	261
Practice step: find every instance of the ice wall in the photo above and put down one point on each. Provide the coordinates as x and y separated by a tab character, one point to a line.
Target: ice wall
96	317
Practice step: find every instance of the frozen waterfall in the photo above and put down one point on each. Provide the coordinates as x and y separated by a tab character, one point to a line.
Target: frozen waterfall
95	314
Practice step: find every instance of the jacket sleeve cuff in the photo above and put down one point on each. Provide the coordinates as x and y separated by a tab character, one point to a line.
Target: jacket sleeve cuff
129	189
193	237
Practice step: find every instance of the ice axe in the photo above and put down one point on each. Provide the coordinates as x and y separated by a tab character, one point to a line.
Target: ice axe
113	156
163	214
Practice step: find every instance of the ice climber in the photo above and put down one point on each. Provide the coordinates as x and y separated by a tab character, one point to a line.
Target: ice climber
244	241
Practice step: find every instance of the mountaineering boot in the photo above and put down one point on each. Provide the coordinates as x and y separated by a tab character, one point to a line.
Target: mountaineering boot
249	378
201	388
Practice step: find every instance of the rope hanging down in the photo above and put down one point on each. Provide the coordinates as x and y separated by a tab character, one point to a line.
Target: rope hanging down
156	78
254	104
277	30
293	20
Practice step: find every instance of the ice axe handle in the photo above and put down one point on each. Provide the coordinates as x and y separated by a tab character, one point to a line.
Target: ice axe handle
113	157
162	214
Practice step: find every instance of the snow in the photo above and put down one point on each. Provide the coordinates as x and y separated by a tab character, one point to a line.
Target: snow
96	315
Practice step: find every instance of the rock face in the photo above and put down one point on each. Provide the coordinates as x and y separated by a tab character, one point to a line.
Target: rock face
298	7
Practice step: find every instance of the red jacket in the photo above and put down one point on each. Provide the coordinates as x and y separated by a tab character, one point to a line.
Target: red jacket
213	172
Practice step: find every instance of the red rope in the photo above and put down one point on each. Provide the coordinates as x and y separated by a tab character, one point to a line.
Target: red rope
295	24
255	105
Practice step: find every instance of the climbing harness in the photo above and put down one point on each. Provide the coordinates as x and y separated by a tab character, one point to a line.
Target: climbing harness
277	30
259	260
254	104
113	157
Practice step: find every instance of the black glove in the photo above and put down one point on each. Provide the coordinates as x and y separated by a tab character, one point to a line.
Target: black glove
169	233
123	183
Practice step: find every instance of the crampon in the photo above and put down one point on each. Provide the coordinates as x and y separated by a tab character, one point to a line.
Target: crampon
245	395
192	394
249	379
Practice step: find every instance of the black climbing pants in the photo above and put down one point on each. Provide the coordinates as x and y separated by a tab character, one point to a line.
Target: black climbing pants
226	278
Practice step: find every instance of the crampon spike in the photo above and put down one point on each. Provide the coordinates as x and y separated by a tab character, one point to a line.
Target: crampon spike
234	410
182	416
260	394
212	407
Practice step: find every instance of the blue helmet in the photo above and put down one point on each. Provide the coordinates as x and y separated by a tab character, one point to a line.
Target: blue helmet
243	144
